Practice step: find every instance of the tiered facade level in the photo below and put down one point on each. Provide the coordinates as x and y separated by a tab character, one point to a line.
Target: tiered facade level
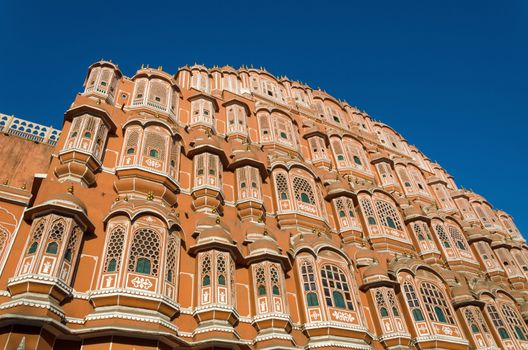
230	209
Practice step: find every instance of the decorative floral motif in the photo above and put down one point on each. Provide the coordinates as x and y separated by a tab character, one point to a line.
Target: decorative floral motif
142	283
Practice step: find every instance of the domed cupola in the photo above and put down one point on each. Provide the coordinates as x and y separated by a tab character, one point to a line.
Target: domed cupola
101	81
49	259
249	164
209	155
217	255
82	154
150	159
155	91
318	142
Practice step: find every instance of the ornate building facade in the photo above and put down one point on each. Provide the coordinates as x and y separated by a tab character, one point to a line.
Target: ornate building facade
228	208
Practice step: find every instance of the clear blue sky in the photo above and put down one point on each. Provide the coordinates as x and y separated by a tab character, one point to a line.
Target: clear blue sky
449	75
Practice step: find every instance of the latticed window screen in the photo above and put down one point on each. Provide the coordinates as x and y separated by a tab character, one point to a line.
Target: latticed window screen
90	125
93	76
212	166
158	93
4	237
275	280
388	215
391	298
413	302
206	270
480	319
475	320
170	265
498	323
381	304
154	141
422	232
309	283
76	124
282	186
105	77
514	322
200	164
71	247
132	141
140	88
145	245
264	125
435	303
338	149
242	177
367	209
303	190
174	154
457	237
221	269
335	286
37	235
405	178
56	232
114	249
442	235
260	279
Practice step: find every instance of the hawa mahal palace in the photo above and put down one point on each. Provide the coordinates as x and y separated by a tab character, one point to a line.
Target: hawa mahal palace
223	208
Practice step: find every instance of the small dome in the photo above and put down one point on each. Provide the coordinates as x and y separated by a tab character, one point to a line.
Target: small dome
66	200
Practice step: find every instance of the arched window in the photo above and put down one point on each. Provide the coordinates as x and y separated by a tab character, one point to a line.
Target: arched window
221	270
442	235
275	281
388	215
132	141
33	248
114	249
36	236
143	266
357	160
457	237
435	303
170	265
392	303
336	290
154	153
55	237
413	302
52	248
282	186
309	284
497	321
303	190
514	322
71	247
145	252
260	278
381	304
206	270
154	145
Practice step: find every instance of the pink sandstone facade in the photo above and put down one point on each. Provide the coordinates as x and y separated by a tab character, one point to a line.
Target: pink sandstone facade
228	208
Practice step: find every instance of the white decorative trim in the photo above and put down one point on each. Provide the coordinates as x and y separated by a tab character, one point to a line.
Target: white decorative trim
132	317
439	338
32	303
135	293
40	279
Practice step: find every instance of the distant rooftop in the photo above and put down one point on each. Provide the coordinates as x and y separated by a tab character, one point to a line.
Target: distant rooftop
26	129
